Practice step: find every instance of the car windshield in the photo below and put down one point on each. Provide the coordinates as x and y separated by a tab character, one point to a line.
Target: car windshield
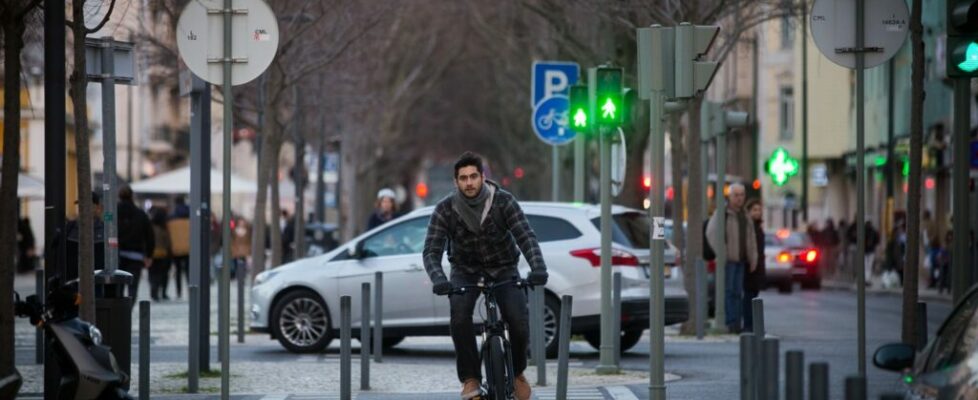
794	239
630	229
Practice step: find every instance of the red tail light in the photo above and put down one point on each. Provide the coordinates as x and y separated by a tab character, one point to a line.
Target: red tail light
784	257
618	257
810	256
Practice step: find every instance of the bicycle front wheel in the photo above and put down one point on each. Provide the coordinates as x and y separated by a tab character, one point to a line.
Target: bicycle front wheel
499	369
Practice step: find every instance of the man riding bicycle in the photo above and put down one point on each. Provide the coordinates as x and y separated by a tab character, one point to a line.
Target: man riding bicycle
482	224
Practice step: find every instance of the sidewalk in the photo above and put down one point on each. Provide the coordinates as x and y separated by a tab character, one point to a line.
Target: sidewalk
924	294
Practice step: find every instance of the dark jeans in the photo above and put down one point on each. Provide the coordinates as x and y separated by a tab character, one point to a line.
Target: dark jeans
749	296
181	267
513	307
136	269
159	274
734	286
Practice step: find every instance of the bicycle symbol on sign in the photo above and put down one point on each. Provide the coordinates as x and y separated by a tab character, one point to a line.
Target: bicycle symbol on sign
547	120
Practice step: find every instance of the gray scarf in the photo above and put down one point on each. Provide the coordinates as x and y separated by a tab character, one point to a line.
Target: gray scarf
474	210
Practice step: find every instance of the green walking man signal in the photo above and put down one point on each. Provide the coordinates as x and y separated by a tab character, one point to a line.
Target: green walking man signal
962	39
608	96
579	108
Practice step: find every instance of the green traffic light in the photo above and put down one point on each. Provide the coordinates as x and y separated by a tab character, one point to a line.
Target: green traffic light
580	118
970	63
781	166
608	109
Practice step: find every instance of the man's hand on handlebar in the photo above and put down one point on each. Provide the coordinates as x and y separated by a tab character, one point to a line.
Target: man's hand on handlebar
537	277
442	287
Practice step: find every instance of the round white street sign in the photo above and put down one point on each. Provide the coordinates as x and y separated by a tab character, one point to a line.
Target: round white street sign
886	25
200	39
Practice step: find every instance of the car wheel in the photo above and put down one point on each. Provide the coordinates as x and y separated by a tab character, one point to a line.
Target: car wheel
785	287
629	338
301	322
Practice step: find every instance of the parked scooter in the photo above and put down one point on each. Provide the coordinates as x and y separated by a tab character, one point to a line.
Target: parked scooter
88	369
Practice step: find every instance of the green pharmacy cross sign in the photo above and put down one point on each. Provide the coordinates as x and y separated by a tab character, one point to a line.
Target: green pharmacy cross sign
781	166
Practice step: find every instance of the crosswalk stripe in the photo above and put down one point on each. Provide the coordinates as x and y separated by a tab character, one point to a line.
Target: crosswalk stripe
620	393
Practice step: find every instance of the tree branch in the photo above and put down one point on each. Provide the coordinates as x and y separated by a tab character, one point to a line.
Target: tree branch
104	19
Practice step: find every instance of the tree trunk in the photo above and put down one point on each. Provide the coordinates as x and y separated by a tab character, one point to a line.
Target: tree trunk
910	268
694	228
275	149
86	217
261	209
13	30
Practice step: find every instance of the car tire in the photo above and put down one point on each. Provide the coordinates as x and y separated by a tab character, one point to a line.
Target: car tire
785	287
812	284
301	322
551	328
629	338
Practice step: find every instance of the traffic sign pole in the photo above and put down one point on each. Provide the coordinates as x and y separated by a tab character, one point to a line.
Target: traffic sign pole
962	254
861	186
657	388
555	167
225	324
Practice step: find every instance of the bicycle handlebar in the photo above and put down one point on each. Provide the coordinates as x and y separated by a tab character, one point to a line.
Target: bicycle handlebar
462	289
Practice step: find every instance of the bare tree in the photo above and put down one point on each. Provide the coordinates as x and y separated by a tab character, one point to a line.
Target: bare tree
86	247
13	15
910	268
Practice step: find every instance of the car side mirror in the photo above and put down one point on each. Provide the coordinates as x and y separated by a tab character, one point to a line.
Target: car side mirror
895	357
356	251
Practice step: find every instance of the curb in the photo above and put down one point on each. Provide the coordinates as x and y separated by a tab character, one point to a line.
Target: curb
922	295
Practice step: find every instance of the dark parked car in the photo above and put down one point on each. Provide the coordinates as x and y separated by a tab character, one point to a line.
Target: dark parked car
948	367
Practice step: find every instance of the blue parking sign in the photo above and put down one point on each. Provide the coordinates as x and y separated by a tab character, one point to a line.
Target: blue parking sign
548	97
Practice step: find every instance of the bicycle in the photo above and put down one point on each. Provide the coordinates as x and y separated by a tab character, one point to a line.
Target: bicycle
496	352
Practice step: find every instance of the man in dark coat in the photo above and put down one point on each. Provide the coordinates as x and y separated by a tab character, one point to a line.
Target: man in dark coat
136	239
754	281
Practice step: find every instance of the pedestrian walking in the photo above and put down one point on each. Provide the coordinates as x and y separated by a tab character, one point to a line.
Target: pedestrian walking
136	239
159	271
755	280
240	244
485	230
72	236
741	244
831	240
26	246
871	243
178	226
386	209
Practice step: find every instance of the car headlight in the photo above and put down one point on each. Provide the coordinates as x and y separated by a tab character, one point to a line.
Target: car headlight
264	277
95	334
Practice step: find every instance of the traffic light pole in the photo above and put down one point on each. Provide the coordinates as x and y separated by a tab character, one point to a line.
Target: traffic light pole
555	169
961	260
225	301
657	195
607	360
720	289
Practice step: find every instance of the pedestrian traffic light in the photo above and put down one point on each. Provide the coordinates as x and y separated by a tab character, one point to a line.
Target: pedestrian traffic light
693	75
579	109
608	104
962	39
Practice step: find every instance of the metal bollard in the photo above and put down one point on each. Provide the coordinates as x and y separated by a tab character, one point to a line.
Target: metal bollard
616	319
144	350
856	388
193	369
365	337
746	363
563	345
345	393
540	339
818	381
757	305
921	325
794	375
39	333
771	367
534	316
378	348
703	309
240	277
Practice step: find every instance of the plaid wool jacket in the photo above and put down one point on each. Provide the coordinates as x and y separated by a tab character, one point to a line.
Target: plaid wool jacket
492	251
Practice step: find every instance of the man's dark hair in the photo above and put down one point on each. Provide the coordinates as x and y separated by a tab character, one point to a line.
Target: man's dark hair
468	159
125	193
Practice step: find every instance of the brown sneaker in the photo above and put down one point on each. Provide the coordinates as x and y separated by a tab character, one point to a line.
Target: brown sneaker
471	389
521	388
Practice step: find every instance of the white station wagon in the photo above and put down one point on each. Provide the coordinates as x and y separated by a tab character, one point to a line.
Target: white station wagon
299	303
